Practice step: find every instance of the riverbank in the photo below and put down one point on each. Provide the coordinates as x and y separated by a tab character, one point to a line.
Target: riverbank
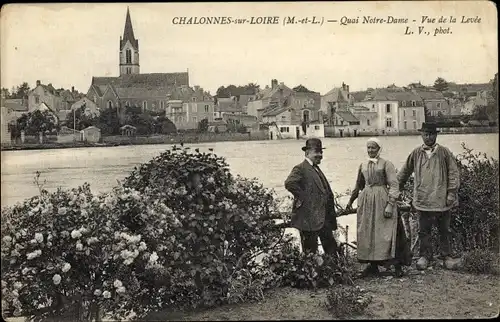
433	294
110	141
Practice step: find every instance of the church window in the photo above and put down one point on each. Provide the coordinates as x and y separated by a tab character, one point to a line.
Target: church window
110	104
128	56
144	105
162	105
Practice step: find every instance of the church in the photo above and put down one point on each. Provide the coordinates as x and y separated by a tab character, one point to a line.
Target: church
169	92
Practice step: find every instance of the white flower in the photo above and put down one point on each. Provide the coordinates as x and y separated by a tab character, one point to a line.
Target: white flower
7	239
18	285
79	246
142	246
92	240
97	292
56	279
76	234
25	271
84	213
62	211
117	283
49	244
121	289
39	237
34	254
153	257
66	267
128	261
106	294
33	241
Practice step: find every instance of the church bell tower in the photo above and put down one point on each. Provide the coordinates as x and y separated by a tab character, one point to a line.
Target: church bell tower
129	49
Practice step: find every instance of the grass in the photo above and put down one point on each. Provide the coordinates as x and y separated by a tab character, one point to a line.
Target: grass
435	293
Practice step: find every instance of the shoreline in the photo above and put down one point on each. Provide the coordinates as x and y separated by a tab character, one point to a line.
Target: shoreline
188	140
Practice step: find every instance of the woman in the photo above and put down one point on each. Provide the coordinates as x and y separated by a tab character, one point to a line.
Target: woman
381	239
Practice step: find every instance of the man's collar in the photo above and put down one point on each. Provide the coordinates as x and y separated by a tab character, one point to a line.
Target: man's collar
310	161
429	148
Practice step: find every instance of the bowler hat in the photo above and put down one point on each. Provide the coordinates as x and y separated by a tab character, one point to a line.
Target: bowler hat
313	144
429	127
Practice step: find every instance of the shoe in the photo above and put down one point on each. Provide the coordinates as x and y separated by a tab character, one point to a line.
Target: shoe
370	270
422	263
398	271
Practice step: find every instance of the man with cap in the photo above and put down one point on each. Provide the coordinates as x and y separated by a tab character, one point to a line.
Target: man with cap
435	192
313	212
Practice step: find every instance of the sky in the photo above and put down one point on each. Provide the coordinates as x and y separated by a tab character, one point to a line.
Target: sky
67	44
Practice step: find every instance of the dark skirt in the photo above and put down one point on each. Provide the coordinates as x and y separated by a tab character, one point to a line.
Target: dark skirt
403	255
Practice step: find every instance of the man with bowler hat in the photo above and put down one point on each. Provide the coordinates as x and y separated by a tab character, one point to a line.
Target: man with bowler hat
313	212
435	192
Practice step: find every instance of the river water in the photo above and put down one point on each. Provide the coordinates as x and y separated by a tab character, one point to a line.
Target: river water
269	161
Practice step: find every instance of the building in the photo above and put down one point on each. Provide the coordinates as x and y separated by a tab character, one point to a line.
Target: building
229	105
345	123
367	119
196	106
129	49
5	133
91	134
295	131
56	99
386	104
337	98
436	103
158	92
91	108
411	119
269	98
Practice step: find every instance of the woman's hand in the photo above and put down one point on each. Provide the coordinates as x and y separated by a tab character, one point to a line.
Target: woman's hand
388	211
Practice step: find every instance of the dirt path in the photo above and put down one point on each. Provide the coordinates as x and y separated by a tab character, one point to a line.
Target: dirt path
435	294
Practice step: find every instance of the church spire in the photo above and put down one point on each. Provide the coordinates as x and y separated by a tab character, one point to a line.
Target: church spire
128	32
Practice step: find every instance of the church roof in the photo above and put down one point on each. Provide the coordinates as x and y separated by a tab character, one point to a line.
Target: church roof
128	33
153	80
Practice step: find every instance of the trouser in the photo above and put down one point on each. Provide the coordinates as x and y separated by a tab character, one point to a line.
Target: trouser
309	240
426	221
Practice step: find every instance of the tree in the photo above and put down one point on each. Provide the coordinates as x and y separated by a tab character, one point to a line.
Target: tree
5	92
83	120
440	84
494	90
108	121
21	91
302	89
232	90
203	126
33	123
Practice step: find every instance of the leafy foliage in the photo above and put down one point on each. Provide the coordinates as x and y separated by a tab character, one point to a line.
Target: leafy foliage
480	261
305	270
232	90
347	301
35	122
440	84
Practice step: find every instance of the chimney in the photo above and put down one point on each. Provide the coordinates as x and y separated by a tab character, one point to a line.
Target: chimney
72	89
343	86
347	88
274	83
37	82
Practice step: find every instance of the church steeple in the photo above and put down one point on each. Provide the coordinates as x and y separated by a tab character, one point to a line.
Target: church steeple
129	49
128	32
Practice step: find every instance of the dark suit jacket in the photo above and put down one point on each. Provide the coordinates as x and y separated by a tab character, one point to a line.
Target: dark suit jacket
312	202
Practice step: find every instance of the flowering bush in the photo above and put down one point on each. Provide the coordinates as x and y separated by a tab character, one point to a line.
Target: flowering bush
72	246
306	270
225	222
181	231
